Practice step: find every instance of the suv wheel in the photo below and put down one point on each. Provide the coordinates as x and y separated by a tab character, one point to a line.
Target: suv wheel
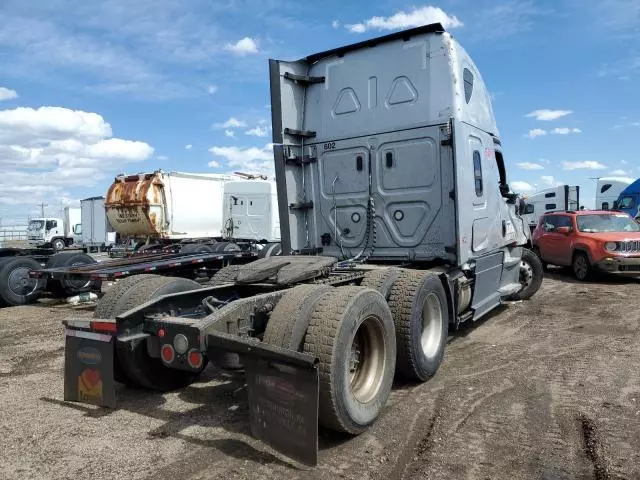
581	266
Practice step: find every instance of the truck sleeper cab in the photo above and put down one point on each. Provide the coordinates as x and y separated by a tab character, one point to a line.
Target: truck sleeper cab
396	224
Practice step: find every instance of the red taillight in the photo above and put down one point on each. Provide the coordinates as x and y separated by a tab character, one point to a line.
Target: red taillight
161	333
195	359
104	326
167	353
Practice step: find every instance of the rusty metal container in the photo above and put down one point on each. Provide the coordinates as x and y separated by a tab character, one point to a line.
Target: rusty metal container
167	205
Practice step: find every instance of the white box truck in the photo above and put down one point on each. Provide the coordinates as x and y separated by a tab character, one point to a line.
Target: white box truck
55	232
96	231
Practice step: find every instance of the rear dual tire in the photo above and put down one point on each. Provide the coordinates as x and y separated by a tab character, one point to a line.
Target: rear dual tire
420	310
66	287
16	286
133	365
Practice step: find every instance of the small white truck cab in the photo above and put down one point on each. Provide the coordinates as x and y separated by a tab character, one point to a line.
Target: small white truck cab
55	232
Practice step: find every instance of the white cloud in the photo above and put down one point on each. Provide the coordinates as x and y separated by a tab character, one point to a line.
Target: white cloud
549	181
536	132
230	133
250	160
245	46
43	151
214	164
587	165
335	24
188	146
7	94
356	28
231	123
548	115
162	158
619	172
414	18
624	162
530	166
258	131
522	187
212	89
565	131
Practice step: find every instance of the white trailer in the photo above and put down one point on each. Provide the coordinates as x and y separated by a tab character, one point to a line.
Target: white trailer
562	197
96	232
169	207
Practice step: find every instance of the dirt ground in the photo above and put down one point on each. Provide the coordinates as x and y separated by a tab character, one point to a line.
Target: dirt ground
544	389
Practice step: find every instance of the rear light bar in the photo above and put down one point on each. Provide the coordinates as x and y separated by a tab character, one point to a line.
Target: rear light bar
103	326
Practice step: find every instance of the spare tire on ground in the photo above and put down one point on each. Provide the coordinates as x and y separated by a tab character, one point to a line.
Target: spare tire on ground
66	287
16	287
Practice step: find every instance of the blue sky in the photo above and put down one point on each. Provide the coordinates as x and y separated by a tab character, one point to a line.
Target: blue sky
91	89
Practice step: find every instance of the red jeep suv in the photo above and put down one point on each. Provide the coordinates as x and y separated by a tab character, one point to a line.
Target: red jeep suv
587	240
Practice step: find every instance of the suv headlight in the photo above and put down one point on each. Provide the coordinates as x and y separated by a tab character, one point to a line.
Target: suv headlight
611	246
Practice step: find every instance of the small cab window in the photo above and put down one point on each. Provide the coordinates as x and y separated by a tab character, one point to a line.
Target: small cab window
477	172
51	224
550	195
467	78
627	202
605	187
605	205
550	206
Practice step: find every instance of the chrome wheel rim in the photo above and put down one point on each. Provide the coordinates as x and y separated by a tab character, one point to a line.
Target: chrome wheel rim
367	360
431	326
526	274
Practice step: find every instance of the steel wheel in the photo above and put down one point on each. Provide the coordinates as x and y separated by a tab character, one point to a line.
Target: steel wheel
366	366
58	245
20	283
431	326
580	266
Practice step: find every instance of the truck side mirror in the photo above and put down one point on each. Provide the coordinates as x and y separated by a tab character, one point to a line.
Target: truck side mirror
528	209
615	204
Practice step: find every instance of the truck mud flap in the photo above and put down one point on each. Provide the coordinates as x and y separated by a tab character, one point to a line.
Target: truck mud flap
89	368
282	388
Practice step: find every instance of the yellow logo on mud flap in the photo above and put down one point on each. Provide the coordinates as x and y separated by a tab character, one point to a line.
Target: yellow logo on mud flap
90	386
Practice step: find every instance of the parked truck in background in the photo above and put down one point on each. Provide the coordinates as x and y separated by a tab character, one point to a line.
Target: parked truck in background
561	197
164	208
54	232
608	189
97	234
397	224
629	201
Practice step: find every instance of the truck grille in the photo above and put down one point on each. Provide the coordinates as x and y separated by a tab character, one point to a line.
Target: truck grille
629	247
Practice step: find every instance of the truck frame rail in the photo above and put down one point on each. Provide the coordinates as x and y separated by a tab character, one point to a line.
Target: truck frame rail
156	263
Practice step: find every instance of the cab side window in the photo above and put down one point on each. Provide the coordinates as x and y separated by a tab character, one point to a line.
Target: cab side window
477	173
